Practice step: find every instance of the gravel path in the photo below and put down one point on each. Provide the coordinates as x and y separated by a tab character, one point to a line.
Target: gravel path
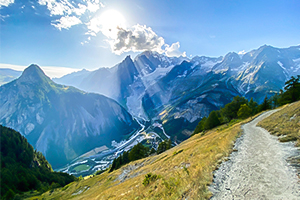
258	170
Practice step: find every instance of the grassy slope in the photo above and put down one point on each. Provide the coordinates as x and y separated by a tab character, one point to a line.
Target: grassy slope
285	123
185	170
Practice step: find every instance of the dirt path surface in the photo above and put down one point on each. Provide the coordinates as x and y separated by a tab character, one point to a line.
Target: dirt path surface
258	170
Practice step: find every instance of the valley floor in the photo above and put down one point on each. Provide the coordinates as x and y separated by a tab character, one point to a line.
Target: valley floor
258	169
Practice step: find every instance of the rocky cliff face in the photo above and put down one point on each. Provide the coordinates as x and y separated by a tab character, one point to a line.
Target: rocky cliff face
265	70
60	121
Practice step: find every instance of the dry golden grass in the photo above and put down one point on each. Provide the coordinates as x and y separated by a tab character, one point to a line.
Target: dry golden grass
285	123
185	171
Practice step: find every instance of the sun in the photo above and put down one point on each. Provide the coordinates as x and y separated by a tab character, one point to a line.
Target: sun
111	20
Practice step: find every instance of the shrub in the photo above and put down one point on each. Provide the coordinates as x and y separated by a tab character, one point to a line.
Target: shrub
163	146
150	178
99	172
177	152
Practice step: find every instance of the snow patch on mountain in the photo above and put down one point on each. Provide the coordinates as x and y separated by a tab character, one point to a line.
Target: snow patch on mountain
243	67
134	105
296	60
39	118
194	65
286	73
151	78
29	128
183	74
208	65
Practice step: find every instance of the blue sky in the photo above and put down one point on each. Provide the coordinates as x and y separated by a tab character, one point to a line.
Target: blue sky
94	33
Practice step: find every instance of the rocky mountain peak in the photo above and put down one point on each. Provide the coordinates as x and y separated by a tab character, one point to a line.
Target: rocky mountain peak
33	68
33	74
127	59
148	54
232	56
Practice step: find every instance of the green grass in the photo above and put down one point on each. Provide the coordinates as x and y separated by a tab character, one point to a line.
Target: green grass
81	167
184	171
285	123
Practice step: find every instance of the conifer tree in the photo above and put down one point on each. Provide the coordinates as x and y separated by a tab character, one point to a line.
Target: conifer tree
292	91
253	106
212	121
265	105
200	126
244	112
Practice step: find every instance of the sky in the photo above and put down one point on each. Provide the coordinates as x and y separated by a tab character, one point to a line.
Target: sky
77	34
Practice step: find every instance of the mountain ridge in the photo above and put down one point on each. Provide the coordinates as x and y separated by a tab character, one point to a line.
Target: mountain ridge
60	121
145	87
197	82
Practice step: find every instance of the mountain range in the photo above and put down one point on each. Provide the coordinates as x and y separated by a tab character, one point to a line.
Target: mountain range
60	121
172	94
181	90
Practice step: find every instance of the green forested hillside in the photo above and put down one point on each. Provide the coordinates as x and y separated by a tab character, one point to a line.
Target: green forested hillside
23	169
240	108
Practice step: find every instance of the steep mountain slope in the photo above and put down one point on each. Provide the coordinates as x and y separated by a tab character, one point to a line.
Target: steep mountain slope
148	61
73	79
125	82
185	90
62	122
192	89
7	75
184	96
265	70
111	82
23	169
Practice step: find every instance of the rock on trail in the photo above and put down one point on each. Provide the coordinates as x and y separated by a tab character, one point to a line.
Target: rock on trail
258	170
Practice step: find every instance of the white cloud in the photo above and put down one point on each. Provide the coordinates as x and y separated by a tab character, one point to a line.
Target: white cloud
6	2
67	7
3	17
57	72
52	72
93	7
139	38
111	24
173	50
57	8
66	22
121	39
80	10
71	13
94	26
